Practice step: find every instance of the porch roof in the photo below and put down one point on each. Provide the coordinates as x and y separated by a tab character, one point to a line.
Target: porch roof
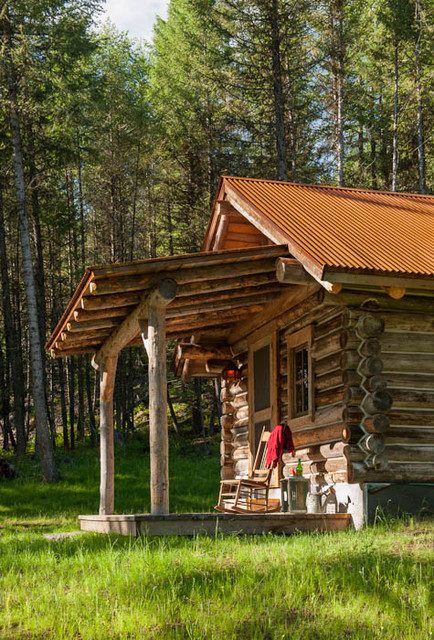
216	289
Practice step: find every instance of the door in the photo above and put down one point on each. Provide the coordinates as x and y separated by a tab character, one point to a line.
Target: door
262	390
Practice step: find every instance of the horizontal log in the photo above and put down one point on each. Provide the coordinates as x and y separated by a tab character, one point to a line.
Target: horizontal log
377	401
227	286
328	415
378	423
410	417
241	468
237	429
406	453
241	413
371	366
75	351
226	435
366	347
225	394
227	421
205	273
93	325
408	342
404	322
203	351
369	326
328	364
409	398
226	458
316	452
411	380
331	396
351	378
372	443
101	314
353	396
375	383
242	422
376	301
290	271
329	381
324	435
397	472
410	435
332	324
326	346
227	472
239	388
408	363
225	447
241	439
240	453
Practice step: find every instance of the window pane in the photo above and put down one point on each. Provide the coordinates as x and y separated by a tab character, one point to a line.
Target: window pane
301	380
261	378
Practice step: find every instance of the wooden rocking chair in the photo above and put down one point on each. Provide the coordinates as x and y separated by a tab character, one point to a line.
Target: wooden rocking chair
247	495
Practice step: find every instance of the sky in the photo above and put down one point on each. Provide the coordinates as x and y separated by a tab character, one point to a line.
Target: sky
135	16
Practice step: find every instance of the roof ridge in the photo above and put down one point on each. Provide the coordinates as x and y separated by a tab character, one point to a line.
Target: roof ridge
401	194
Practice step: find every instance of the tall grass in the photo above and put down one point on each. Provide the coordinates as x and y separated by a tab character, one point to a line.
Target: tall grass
377	583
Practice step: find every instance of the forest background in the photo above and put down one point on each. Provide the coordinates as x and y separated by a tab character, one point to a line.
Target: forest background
111	150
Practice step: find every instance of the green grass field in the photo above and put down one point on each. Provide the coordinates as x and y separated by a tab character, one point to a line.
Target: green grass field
377	583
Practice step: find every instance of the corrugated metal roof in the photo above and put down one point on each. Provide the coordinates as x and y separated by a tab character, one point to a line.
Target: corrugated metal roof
349	228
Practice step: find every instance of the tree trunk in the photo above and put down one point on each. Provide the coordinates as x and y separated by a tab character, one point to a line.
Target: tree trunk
282	167
13	353
395	158
420	124
45	446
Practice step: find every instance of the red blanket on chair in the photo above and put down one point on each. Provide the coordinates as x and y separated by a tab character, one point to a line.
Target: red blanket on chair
280	440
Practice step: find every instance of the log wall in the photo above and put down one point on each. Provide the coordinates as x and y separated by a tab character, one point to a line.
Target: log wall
234	448
319	443
374	397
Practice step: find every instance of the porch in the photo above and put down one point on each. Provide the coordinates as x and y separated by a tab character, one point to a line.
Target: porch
190	524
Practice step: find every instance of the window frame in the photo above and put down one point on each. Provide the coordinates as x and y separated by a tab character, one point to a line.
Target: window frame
295	341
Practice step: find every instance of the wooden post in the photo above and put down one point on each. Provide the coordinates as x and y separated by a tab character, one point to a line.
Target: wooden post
154	339
107	482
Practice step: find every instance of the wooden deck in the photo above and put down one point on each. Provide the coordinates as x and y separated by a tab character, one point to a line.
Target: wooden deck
188	524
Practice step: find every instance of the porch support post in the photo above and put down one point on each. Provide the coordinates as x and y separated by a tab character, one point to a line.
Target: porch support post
154	338
107	480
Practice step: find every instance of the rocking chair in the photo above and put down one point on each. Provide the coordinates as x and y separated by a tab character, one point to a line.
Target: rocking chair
247	495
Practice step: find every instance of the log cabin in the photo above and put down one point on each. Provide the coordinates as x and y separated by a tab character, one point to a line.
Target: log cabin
321	297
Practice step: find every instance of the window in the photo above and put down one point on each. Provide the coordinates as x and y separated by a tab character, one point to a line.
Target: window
300	379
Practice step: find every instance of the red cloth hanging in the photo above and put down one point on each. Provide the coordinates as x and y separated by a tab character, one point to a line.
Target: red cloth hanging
280	440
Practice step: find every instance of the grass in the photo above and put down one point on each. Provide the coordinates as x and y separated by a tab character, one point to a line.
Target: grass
377	583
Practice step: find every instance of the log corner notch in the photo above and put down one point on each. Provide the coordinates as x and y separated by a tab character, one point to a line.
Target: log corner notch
152	306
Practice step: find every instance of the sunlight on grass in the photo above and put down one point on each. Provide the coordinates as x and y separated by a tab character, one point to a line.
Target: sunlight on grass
375	584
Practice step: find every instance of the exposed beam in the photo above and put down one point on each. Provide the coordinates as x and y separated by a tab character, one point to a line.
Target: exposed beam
290	271
349	277
203	351
159	296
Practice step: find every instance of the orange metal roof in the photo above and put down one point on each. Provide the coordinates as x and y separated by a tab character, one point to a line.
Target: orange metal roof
348	228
